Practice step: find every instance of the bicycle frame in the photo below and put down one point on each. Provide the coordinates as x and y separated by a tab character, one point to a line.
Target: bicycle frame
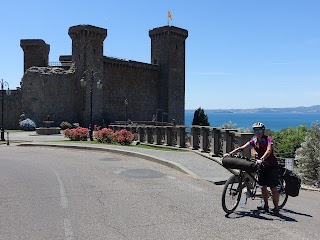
241	180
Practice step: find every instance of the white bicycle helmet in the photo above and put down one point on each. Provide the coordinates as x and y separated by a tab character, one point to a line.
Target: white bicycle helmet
258	125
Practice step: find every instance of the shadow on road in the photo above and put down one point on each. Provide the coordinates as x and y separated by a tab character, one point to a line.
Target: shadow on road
297	213
263	216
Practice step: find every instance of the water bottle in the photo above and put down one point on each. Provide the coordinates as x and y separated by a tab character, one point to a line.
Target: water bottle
248	194
261	201
278	187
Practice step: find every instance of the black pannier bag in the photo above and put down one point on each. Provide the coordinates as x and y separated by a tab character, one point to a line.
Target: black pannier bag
239	163
293	183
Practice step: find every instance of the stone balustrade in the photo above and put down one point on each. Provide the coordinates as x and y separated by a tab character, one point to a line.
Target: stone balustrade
213	140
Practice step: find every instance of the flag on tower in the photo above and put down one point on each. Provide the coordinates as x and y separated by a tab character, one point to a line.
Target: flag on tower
169	15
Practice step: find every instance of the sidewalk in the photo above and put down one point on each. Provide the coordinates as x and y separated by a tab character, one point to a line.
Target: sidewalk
193	163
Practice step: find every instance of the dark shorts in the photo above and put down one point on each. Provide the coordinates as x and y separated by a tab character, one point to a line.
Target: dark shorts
268	176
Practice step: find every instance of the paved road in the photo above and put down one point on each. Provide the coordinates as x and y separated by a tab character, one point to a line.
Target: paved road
48	193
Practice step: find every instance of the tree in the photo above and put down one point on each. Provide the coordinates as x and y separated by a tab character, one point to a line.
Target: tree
308	156
288	140
200	118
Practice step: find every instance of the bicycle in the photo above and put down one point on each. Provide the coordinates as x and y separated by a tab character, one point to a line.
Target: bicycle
247	182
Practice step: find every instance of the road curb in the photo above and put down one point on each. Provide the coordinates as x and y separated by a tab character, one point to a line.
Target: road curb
175	166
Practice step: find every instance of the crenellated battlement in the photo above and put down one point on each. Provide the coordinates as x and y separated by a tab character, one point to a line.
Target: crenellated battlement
168	31
89	31
118	63
36	53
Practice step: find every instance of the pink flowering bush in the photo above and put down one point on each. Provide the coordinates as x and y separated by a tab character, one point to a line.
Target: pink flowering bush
77	134
105	135
124	137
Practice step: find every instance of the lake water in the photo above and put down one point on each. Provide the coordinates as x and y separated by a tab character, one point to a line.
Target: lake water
273	121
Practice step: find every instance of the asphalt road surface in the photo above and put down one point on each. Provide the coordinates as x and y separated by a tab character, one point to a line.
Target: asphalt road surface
50	193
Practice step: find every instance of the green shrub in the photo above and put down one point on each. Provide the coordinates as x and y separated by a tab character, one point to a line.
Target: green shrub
27	125
65	125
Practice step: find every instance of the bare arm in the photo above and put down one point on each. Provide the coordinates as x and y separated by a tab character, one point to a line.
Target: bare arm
268	152
245	146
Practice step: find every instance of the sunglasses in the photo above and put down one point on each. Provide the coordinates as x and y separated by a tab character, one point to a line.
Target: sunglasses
258	131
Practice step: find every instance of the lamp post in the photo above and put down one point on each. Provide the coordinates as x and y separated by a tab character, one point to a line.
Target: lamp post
8	92
126	104
99	86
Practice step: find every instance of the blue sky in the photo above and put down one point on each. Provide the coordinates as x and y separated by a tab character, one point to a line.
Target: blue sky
239	54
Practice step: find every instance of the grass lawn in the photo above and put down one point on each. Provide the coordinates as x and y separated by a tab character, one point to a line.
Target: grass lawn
133	146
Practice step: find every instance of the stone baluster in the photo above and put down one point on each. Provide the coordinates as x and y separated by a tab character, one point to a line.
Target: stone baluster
204	138
168	136
194	137
181	136
215	141
242	139
157	136
140	133
227	140
149	134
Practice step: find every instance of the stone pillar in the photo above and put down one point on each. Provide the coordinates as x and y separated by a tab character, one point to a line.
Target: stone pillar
148	134
133	130
157	136
140	133
227	140
215	141
194	137
243	138
181	136
204	139
168	136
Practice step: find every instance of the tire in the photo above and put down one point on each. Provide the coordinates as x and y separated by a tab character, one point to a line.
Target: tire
283	196
231	194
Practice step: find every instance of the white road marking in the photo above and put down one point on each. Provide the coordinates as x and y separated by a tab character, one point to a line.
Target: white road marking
63	195
68	230
68	233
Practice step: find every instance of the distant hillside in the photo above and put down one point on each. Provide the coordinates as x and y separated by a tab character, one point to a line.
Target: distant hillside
312	109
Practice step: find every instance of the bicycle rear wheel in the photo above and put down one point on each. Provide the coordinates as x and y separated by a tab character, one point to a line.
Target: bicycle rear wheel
231	194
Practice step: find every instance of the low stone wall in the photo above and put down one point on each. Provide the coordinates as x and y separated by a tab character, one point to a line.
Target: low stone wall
48	131
213	140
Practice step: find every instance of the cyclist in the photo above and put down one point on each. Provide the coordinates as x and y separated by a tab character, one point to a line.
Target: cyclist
268	173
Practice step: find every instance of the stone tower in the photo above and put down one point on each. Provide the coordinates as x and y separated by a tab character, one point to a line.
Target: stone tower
87	54
36	53
87	46
168	50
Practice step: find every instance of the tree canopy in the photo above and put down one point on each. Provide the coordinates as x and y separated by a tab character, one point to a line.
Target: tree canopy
288	140
308	156
200	118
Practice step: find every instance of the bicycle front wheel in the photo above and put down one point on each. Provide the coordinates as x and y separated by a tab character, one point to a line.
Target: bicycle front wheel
283	196
231	194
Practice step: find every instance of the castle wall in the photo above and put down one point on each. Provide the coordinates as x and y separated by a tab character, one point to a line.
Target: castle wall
137	82
150	89
12	108
49	91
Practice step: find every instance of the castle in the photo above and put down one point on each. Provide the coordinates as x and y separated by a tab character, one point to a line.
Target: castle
130	89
